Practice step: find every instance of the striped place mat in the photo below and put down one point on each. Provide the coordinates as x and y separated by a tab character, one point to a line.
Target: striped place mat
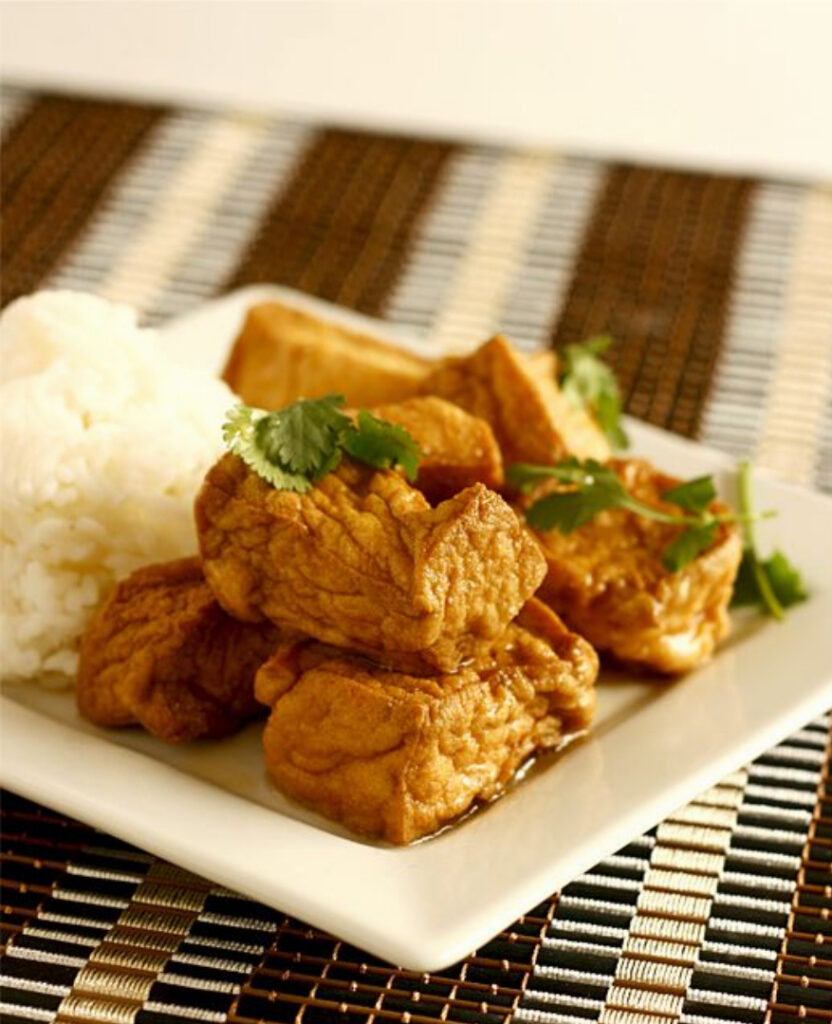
718	290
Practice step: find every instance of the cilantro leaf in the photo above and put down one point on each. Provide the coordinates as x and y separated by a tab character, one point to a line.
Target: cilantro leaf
569	510
590	487
608	413
590	383
280	478
526	476
693	495
238	429
304	436
293	448
382	444
746	590
773	584
240	432
783	578
593	488
688	545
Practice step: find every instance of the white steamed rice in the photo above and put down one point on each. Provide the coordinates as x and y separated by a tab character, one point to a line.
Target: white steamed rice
104	445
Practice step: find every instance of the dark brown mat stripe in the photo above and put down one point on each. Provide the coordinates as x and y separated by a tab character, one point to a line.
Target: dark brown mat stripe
309	975
37	845
58	160
655	271
803	983
342	228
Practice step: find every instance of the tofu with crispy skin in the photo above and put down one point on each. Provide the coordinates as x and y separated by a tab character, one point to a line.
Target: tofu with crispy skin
607	581
283	354
362	561
161	653
532	419
397	756
457	449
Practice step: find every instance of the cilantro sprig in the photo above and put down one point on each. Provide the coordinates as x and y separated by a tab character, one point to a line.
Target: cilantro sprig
295	447
590	383
773	584
593	487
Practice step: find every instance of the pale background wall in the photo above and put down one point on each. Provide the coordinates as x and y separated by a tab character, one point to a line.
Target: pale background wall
738	84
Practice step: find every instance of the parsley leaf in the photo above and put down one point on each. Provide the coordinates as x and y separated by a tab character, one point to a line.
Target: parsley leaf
293	448
382	444
590	383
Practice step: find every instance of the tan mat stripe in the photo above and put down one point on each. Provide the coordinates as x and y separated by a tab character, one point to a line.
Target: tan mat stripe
655	271
734	416
792	427
116	981
668	929
343	226
486	272
59	158
184	205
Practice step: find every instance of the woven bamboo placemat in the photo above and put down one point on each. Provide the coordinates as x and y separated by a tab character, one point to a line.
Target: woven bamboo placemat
719	292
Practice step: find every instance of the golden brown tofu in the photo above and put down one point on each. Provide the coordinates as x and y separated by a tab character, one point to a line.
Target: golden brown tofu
532	419
607	581
362	561
283	354
161	653
457	449
397	756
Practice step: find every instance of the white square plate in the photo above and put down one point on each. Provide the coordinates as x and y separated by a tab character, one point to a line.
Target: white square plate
208	806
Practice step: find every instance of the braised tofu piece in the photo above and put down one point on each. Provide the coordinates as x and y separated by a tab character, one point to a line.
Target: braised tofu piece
396	756
362	561
283	354
457	449
161	653
608	582
532	419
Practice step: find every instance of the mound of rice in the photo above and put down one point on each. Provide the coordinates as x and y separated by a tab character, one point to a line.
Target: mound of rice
104	445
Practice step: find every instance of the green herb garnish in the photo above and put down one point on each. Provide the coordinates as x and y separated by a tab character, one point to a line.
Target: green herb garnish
295	447
590	383
382	444
773	584
594	487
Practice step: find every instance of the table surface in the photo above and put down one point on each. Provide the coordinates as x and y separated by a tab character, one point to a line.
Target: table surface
718	288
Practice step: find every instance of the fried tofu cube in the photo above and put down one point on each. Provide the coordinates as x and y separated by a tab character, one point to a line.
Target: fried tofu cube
283	354
532	419
161	653
397	756
608	582
362	561
458	449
